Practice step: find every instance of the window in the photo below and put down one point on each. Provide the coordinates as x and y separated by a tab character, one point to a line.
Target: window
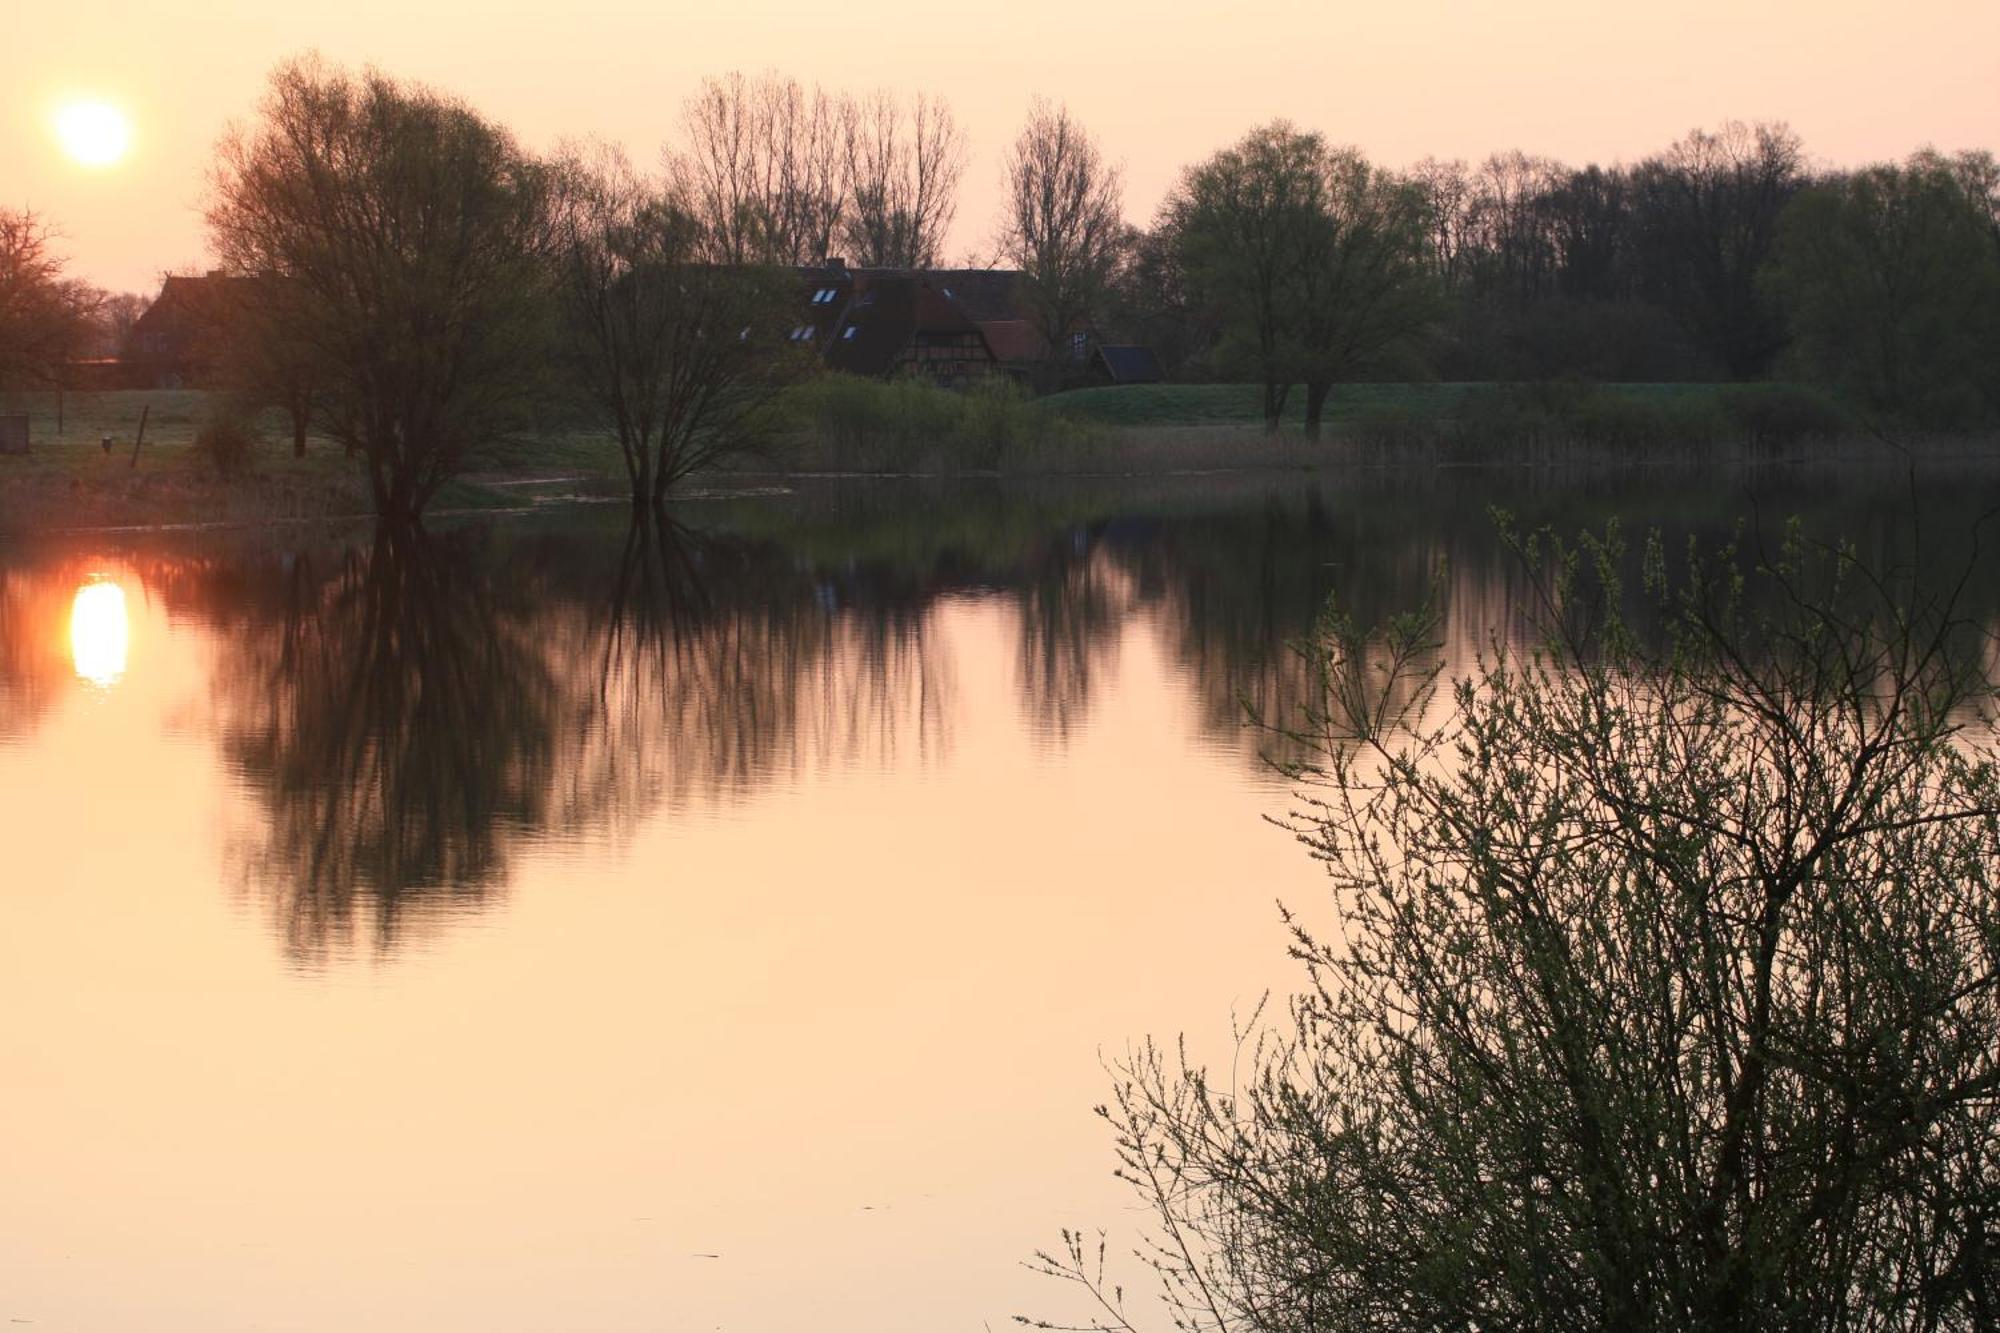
852	329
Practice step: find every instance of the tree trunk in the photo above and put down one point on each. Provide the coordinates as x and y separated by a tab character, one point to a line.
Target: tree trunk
1274	404
1316	395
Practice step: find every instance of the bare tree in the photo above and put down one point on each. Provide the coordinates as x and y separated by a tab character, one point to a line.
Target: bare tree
409	236
1447	192
672	343
903	169
764	163
117	313
1063	226
45	318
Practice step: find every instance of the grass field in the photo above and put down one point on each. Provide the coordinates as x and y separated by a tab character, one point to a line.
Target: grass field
1173	405
69	479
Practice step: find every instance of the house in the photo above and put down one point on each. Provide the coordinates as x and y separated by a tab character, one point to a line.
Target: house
883	322
176	343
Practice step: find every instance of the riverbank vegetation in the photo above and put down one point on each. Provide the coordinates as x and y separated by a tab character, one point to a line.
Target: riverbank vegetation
1659	986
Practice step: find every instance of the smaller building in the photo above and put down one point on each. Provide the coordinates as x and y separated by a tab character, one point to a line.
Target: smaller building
1126	365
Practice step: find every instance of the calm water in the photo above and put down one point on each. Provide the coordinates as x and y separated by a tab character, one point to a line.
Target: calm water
524	928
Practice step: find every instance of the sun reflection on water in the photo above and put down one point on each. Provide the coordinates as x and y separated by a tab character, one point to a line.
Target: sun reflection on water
99	633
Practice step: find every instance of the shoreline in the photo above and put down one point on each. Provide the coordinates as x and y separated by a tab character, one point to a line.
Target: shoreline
49	504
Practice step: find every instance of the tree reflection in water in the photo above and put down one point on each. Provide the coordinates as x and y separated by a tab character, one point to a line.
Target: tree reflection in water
407	720
719	665
398	723
1074	603
408	713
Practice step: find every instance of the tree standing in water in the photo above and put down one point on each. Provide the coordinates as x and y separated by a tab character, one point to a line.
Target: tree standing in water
410	238
673	346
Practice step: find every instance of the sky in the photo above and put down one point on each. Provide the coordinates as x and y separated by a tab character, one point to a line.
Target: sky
1160	85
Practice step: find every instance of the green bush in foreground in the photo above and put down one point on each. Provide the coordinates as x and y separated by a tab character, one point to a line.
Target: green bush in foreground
1662	990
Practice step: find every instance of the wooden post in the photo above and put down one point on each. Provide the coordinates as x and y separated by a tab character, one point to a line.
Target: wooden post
140	438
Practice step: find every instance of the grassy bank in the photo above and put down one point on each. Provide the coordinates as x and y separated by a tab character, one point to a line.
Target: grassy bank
70	479
838	424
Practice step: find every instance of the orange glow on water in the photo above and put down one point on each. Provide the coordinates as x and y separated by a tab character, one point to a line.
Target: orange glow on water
100	633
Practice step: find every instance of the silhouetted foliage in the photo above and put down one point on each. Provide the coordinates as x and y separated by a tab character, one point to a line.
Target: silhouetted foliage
903	170
1310	257
778	173
407	237
1892	277
45	318
1062	226
1665	984
673	348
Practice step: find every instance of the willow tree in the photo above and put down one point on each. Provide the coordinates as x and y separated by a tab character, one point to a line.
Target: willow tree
407	236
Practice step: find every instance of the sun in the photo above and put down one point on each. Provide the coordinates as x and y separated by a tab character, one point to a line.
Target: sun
94	134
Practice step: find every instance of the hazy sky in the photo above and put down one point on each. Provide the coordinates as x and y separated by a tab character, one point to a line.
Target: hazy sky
1160	84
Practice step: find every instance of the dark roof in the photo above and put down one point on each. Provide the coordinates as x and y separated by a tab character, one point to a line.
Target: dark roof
983	293
1130	365
822	317
887	313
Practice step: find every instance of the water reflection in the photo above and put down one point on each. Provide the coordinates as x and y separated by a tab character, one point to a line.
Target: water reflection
34	660
397	724
99	633
407	712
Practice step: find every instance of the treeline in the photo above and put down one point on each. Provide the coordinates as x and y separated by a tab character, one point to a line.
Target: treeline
415	285
1726	256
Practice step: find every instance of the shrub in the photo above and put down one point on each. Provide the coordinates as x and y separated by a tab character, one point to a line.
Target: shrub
1782	416
1393	429
1661	988
906	425
226	442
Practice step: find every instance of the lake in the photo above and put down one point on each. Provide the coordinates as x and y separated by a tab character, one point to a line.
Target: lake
526	926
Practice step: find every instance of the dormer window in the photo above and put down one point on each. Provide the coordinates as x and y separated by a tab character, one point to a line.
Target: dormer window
852	329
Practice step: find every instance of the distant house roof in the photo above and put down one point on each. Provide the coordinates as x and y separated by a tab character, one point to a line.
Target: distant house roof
1130	365
888	314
